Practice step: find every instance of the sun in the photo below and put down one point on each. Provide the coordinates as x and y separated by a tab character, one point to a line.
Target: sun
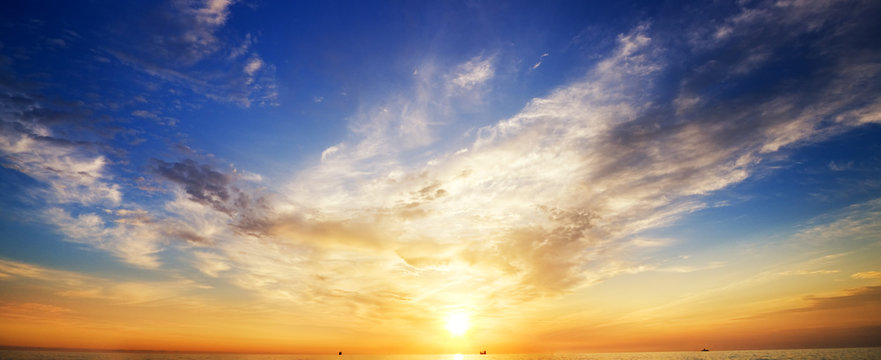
458	323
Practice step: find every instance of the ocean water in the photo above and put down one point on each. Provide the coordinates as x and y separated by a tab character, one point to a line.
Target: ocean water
800	354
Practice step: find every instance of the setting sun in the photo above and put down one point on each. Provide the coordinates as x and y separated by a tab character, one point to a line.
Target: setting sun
458	323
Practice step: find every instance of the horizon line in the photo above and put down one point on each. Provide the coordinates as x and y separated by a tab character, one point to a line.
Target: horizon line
98	350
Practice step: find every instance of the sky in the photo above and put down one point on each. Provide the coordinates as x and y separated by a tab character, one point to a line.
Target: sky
440	176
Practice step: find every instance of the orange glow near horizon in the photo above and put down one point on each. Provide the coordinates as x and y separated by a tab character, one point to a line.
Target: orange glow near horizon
52	319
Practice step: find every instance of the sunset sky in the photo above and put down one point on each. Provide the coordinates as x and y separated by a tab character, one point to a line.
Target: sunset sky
440	176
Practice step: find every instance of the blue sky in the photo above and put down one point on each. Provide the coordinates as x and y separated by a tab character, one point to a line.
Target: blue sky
329	154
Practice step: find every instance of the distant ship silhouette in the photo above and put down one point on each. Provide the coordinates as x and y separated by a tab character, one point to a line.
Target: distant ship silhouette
705	349
483	352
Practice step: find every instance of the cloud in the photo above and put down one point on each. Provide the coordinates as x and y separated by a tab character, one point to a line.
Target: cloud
177	41
10	269
243	48
76	180
138	236
210	264
71	170
809	272
133	239
487	198
207	186
546	201
57	42
473	73
201	182
540	59
184	31
63	285
145	114
867	275
37	313
857	223
26	310
253	65
329	152
866	297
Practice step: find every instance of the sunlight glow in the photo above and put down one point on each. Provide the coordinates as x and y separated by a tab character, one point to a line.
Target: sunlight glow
458	323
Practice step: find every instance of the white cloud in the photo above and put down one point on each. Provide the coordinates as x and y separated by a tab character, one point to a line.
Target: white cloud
214	12
329	152
685	103
145	114
210	264
540	58
243	48
253	65
473	73
133	239
858	223
72	174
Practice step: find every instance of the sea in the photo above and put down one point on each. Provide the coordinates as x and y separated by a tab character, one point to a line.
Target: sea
800	354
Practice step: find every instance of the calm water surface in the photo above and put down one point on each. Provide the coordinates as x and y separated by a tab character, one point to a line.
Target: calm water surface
806	354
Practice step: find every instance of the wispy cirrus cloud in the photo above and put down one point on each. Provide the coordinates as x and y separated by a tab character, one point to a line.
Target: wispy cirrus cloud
181	46
867	275
184	31
857	223
72	170
133	239
473	73
540	59
69	284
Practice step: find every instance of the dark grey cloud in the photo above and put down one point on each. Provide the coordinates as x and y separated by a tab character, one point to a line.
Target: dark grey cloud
204	184
247	209
870	295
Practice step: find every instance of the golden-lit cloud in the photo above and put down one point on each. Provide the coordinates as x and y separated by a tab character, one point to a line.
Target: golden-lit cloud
867	275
